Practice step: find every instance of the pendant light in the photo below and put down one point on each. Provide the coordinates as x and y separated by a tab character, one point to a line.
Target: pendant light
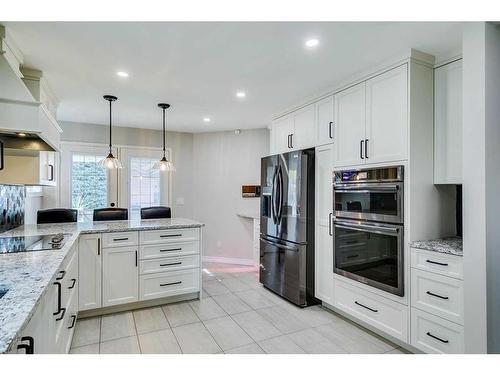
163	164
110	161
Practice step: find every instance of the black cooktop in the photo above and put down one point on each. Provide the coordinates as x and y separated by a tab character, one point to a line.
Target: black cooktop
22	244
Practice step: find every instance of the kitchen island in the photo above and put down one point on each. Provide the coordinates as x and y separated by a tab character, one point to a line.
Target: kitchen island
27	278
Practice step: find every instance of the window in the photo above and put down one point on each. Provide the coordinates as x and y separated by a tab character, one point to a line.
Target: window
89	183
144	183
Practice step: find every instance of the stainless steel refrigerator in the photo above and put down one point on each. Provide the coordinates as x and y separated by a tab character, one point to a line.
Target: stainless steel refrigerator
287	226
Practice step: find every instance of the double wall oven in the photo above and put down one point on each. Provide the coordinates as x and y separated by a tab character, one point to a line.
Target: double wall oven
368	226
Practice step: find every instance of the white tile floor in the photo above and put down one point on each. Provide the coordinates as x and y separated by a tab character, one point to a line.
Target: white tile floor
235	316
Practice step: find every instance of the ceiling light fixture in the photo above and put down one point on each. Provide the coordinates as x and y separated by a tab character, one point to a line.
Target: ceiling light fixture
312	43
110	161
207	119
241	94
122	74
163	164
20	134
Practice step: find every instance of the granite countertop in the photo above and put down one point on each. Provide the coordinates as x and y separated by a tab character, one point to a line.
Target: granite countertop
448	245
26	276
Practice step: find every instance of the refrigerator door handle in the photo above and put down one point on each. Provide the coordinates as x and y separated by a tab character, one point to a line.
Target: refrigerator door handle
273	196
280	200
278	245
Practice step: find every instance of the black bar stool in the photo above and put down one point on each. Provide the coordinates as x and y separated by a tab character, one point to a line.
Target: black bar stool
104	214
158	212
57	215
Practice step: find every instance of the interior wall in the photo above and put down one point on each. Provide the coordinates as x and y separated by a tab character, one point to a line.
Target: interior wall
181	145
223	162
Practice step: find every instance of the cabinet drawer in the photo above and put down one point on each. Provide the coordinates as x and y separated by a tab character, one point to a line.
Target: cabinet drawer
169	284
432	334
386	315
443	264
169	249
436	294
169	235
170	263
117	239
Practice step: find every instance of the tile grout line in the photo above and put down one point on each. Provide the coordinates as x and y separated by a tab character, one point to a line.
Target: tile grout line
136	332
172	328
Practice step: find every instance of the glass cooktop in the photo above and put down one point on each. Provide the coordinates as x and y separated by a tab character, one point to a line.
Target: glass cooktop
22	244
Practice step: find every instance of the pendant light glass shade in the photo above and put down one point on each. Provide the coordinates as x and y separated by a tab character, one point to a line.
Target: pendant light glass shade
164	165
110	161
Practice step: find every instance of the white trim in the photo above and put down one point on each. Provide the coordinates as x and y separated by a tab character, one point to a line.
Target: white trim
239	261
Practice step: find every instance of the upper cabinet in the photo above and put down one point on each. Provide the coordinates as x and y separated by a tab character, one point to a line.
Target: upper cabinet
350	117
294	131
448	123
367	122
387	116
325	120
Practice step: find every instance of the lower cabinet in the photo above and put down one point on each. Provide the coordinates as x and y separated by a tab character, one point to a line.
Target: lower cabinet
90	273
169	284
50	328
120	275
382	313
324	237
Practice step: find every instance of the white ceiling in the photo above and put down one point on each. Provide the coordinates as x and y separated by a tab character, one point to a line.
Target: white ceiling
198	67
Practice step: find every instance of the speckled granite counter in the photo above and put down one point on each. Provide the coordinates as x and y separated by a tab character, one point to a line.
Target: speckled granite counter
26	276
449	245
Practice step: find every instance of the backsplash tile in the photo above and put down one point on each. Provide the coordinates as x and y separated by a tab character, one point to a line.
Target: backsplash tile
12	200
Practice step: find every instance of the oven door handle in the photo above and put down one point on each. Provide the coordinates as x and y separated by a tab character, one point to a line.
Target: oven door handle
365	188
294	249
368	228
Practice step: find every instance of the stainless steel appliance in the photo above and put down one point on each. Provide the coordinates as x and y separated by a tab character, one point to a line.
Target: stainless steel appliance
21	244
287	226
368	227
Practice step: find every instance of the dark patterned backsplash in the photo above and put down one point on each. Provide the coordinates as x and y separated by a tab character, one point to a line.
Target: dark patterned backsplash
12	200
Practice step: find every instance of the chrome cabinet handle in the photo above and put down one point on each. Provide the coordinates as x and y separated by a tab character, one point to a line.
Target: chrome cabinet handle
366	148
436	295
361	149
437	338
366	307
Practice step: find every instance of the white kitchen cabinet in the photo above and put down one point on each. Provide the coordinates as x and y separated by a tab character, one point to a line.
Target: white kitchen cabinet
324	282
120	275
350	108
448	123
325	121
283	128
387	116
90	273
48	171
304	122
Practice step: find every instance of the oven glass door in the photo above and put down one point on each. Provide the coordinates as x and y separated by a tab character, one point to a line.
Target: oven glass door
370	253
377	202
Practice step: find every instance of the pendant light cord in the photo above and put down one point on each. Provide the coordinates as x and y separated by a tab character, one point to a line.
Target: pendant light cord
164	131
110	126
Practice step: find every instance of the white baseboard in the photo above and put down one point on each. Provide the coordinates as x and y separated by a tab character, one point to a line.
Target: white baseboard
239	261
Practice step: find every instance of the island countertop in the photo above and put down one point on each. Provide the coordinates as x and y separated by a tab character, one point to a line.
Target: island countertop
25	276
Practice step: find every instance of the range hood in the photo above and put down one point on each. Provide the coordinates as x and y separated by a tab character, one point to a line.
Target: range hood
29	133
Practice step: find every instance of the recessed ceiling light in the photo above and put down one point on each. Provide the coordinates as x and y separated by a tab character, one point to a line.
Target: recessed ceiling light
122	74
206	119
241	94
312	43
